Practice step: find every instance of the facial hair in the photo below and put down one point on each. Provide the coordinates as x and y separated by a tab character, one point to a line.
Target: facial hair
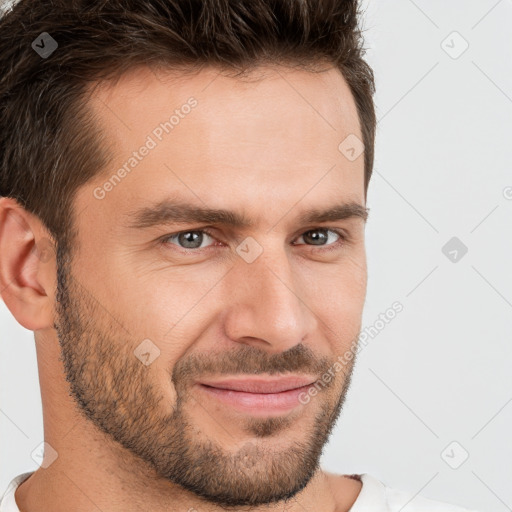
122	398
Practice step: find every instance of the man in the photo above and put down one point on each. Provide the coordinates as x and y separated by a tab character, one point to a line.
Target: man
182	226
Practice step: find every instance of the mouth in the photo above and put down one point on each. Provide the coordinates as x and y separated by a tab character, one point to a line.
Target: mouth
259	396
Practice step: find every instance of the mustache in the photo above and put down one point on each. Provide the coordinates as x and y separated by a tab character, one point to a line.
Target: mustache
251	361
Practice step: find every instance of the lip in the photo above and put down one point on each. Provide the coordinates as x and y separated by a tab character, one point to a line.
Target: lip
261	385
259	397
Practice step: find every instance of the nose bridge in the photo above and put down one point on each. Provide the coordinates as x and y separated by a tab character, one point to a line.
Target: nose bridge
265	304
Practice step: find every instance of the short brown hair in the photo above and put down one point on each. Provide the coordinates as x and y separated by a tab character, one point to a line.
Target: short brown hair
49	143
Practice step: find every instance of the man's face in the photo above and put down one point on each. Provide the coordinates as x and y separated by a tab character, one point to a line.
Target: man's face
144	317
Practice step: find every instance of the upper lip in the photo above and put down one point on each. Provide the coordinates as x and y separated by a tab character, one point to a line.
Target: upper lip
260	384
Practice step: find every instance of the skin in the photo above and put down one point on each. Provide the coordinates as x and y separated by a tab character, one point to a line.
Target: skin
131	436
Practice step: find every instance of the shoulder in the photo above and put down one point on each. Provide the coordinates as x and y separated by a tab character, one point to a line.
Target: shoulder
372	495
7	500
399	499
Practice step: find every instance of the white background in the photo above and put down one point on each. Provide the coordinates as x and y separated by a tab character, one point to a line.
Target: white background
440	371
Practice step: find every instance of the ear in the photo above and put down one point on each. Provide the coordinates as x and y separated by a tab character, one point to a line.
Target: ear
27	266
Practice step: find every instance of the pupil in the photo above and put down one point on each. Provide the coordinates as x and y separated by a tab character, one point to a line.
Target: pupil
187	239
316	238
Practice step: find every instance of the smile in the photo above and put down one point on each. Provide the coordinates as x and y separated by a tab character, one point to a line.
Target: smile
258	396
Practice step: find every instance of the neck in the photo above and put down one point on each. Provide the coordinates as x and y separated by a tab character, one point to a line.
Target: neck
73	483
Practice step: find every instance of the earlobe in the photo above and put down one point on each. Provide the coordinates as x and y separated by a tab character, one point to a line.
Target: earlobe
26	265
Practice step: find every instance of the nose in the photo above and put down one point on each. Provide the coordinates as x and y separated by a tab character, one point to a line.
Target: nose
268	307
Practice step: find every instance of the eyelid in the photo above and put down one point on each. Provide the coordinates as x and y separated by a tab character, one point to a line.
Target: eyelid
343	238
337	245
163	240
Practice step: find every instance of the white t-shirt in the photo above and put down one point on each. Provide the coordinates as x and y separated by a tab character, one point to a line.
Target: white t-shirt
373	497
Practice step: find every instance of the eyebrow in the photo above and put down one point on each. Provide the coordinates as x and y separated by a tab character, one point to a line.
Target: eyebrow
180	212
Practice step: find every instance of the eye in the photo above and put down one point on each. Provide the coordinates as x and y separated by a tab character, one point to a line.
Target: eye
320	237
192	240
189	239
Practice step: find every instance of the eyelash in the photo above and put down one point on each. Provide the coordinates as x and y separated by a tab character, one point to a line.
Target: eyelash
342	239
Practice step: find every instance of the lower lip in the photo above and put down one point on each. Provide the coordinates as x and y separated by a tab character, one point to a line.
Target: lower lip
258	403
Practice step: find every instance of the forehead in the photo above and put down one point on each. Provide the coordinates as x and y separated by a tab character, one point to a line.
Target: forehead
272	136
324	92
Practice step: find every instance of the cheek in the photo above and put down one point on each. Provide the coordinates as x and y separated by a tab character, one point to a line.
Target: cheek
338	301
159	301
343	286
